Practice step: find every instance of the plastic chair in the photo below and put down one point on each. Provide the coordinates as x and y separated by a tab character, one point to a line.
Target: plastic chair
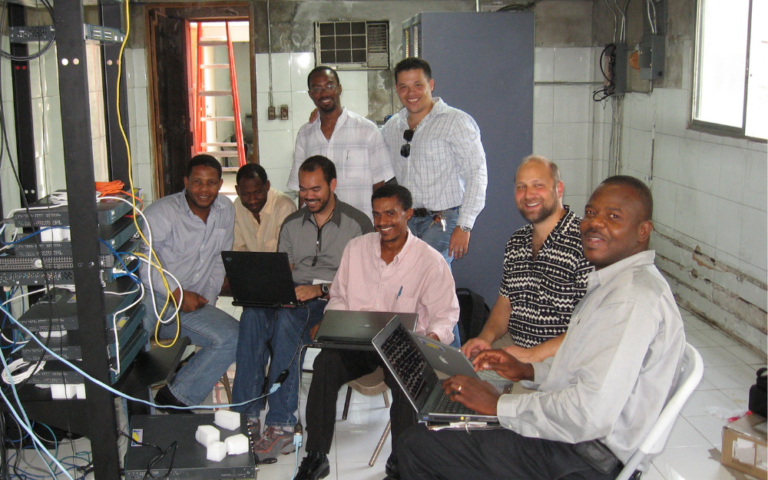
370	385
691	372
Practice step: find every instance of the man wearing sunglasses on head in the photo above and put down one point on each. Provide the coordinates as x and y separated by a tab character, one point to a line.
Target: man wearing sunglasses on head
351	141
437	154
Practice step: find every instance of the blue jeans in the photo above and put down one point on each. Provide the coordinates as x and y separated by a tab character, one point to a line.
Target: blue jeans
426	229
282	328
209	328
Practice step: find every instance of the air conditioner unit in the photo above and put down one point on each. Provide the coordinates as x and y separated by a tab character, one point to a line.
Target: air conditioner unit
358	45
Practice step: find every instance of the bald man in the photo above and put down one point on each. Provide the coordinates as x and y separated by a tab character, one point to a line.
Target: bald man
545	272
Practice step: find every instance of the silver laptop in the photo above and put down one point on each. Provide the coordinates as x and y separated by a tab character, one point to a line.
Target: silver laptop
449	361
418	379
355	330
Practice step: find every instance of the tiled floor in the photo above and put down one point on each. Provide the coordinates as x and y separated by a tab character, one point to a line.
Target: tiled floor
692	452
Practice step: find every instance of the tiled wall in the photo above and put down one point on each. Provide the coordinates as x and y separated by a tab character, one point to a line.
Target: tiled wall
138	107
289	86
8	186
562	116
710	212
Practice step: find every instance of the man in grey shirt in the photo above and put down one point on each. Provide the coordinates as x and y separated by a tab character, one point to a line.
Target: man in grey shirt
188	231
602	392
314	238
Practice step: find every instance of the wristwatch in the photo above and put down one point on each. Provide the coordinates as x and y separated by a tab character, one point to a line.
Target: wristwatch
325	288
465	229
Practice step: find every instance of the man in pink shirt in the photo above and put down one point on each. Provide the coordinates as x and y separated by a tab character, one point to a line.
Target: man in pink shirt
391	270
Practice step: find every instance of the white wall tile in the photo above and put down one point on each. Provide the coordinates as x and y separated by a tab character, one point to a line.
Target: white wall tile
356	100
575	175
51	73
572	103
10	127
278	177
302	108
705	223
36	79
730	224
142	106
142	154
753	237
664	197
301	64
638	156
543	103
128	67
706	175
276	149
542	139
37	126
576	202
55	173
675	113
131	100
262	72
687	162
281	72
571	141
544	64
685	209
733	168
756	181
139	68
573	64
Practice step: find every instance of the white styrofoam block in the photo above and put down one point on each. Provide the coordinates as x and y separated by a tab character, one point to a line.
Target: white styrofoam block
80	388
227	419
236	444
207	434
216	451
62	392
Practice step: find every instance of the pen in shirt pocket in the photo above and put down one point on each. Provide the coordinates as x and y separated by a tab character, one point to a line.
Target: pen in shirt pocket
399	292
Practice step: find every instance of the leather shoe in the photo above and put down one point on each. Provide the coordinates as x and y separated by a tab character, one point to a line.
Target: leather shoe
164	396
391	469
314	466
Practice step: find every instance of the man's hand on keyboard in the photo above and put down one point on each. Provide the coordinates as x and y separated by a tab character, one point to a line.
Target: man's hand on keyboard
474	393
504	364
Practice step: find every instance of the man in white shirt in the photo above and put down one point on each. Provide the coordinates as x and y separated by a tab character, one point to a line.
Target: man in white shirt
259	211
352	142
601	393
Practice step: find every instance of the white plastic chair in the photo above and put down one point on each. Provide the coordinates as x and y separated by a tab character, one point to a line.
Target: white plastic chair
691	372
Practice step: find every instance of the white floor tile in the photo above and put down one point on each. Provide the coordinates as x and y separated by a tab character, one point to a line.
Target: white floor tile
702	402
746	355
683	434
720	338
735	376
698	339
740	396
361	470
358	446
691	464
695	323
710	427
718	357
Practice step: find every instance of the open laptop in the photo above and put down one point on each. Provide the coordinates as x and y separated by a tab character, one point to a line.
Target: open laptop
449	361
355	330
419	380
260	279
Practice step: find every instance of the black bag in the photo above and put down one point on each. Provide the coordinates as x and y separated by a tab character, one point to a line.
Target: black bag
473	313
757	394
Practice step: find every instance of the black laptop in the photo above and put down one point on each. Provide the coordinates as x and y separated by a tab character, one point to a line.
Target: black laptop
260	279
350	330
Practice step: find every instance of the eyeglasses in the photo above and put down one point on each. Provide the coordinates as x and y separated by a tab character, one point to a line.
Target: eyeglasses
405	150
317	90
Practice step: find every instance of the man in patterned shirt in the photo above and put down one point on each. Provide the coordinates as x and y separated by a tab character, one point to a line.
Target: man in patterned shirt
352	142
545	272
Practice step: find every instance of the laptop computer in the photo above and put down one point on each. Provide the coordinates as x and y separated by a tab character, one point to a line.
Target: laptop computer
449	361
189	461
350	330
419	381
260	279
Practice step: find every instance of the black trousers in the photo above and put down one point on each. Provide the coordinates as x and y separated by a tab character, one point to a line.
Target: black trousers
332	369
489	454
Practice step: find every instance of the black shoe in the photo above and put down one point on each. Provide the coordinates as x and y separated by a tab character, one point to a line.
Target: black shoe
314	466
165	397
392	471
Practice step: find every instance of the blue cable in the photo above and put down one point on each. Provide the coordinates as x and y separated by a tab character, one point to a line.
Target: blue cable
109	388
30	235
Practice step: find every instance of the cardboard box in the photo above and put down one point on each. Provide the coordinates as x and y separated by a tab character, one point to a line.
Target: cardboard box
744	446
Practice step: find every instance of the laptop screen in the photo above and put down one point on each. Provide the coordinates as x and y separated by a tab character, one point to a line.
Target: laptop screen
407	360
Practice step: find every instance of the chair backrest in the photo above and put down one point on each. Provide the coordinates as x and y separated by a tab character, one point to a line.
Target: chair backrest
691	371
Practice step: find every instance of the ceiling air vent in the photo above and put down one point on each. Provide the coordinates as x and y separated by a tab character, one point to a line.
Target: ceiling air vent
352	45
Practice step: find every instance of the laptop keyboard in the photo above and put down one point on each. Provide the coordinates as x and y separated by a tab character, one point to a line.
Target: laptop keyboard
406	359
445	405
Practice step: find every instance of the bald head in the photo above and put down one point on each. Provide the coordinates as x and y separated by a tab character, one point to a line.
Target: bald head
554	170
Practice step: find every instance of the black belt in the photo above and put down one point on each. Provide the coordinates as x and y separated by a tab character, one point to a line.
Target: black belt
423	212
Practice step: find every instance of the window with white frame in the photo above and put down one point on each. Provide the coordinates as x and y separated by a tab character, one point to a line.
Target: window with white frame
731	72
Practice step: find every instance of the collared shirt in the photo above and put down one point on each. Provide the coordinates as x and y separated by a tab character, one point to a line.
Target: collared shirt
357	149
315	253
544	291
418	280
616	367
253	236
188	247
446	167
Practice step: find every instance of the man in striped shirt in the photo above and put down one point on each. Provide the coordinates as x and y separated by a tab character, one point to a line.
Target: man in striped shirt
545	272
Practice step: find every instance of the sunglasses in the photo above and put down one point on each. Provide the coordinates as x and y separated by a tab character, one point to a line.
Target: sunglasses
405	150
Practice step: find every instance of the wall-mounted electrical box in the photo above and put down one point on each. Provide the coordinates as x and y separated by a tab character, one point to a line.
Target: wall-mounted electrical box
651	56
